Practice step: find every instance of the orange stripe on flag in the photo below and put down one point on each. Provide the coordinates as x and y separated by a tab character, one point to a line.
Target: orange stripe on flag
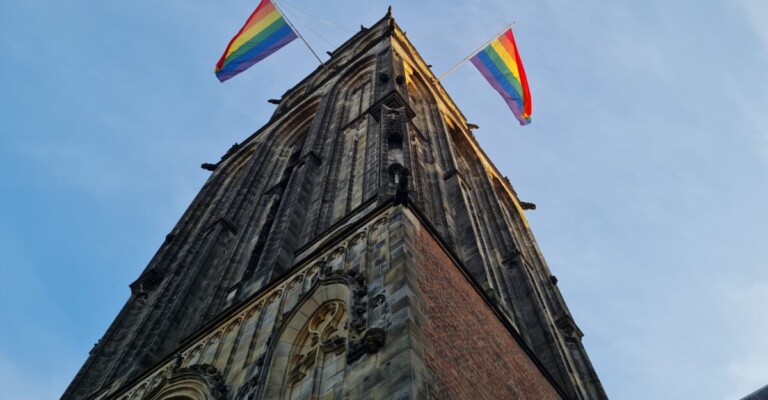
260	13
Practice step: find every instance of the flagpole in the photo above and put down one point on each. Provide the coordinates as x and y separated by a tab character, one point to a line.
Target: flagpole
477	50
297	32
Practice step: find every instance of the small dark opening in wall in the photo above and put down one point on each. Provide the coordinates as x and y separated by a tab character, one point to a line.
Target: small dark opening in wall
395	141
394	172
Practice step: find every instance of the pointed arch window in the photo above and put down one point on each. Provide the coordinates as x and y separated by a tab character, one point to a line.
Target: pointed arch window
316	363
358	100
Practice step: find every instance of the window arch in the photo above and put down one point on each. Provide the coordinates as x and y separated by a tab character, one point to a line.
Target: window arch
184	389
316	363
308	358
196	382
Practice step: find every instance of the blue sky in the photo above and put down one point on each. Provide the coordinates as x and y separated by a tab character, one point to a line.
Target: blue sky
647	157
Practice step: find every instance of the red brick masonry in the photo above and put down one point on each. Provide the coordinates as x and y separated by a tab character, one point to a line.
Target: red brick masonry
473	355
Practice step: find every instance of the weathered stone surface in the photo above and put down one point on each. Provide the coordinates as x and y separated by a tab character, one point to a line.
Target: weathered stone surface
359	245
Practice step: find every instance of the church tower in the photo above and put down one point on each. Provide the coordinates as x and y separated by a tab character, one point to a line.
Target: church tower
360	245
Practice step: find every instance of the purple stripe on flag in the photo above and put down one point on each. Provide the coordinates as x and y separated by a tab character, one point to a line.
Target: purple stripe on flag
258	53
511	102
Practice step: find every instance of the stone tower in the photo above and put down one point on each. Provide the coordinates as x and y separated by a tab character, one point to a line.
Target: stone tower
360	245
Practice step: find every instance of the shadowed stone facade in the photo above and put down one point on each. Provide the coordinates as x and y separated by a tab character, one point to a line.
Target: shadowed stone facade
359	245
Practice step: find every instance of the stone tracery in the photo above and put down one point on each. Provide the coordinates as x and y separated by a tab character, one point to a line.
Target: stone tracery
316	363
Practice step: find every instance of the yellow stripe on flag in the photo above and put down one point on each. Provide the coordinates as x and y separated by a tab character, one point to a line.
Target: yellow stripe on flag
506	58
253	31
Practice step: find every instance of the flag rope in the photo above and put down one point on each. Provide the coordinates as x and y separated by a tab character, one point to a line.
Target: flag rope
297	32
325	21
477	50
454	32
331	23
306	25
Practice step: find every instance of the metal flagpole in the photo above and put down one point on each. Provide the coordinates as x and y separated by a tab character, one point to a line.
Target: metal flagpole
297	32
477	50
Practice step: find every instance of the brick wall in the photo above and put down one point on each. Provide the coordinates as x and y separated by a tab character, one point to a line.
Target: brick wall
471	353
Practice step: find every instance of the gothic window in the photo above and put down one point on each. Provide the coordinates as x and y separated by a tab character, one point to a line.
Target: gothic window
261	240
316	362
295	150
358	101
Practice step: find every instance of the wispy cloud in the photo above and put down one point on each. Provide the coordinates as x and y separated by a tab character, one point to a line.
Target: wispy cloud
756	12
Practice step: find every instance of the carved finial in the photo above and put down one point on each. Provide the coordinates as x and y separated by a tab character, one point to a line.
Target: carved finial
177	359
231	150
95	345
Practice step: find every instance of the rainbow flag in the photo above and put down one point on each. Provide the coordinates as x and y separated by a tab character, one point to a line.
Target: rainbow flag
265	32
500	64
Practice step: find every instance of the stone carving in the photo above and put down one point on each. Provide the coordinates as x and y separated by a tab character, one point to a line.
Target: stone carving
378	311
208	373
372	341
177	360
568	326
328	274
146	283
337	253
391	120
376	225
323	333
357	239
156	381
364	339
247	390
253	310
218	388
336	345
235	147
358	310
233	325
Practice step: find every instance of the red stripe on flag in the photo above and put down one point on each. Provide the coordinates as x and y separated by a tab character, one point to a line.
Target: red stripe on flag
527	107
263	4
